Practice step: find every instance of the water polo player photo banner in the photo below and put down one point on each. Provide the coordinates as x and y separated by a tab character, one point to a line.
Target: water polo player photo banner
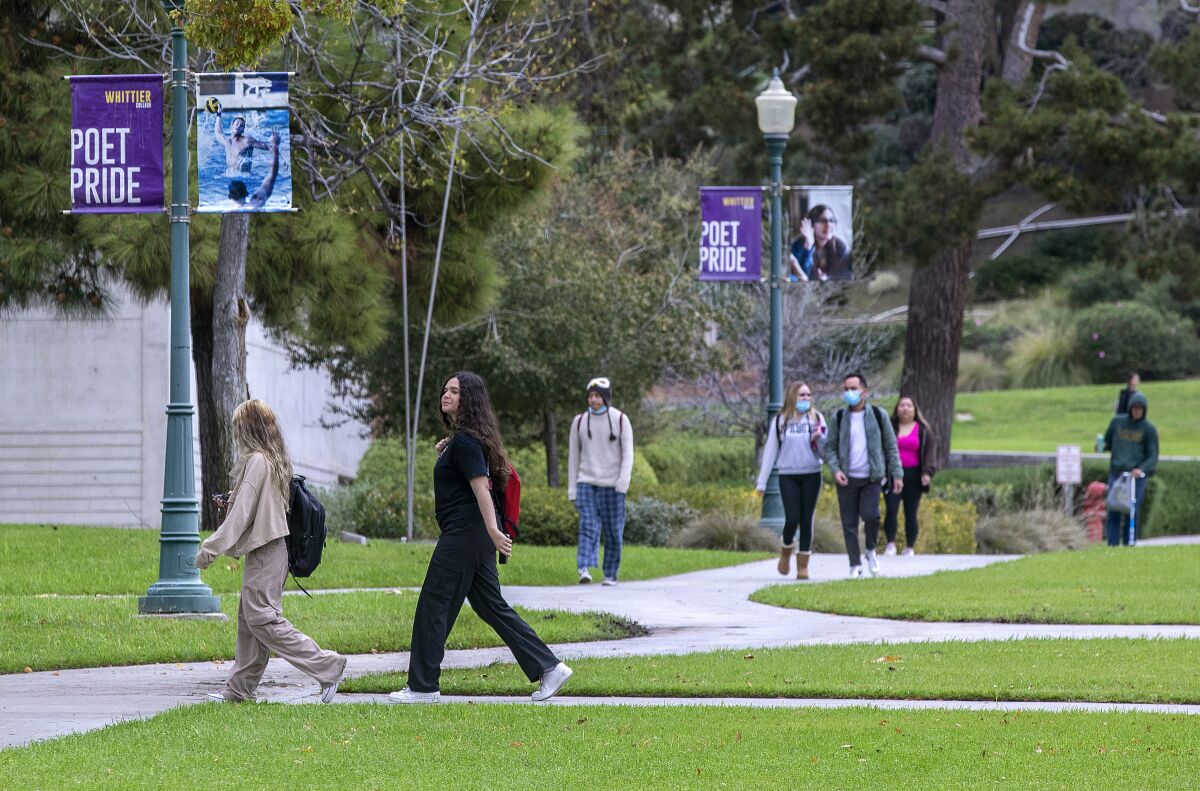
731	225
821	233
116	144
243	147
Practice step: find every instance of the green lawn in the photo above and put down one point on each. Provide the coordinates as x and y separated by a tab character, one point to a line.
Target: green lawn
85	560
1124	671
1144	585
51	633
293	748
1039	420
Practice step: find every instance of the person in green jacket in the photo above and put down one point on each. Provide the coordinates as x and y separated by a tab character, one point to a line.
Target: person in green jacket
1133	441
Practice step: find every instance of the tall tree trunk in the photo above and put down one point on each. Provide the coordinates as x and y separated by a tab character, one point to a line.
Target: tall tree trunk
938	293
1026	22
231	314
550	440
213	477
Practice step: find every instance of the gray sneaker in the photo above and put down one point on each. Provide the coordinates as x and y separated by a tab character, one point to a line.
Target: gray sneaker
406	695
552	681
585	576
328	692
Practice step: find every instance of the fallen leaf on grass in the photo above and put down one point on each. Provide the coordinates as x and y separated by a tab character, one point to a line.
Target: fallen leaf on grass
28	670
516	744
748	656
888	658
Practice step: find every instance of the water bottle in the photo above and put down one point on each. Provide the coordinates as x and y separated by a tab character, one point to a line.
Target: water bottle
1099	443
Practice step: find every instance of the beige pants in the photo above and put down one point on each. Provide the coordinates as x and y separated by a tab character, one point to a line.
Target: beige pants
263	629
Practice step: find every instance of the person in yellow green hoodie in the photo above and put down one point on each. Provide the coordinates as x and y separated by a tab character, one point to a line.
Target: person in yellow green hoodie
1133	441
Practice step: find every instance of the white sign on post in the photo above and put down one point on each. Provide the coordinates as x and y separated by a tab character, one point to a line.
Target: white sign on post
1068	465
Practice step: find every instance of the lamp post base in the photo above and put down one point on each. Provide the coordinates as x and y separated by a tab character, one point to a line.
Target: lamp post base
173	599
772	506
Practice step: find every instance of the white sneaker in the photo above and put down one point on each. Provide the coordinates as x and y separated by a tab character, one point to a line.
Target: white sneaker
328	692
552	681
872	561
890	549
585	576
609	581
406	695
908	552
219	697
855	572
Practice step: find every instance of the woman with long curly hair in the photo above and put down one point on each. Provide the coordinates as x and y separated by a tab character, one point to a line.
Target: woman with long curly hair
256	527
463	565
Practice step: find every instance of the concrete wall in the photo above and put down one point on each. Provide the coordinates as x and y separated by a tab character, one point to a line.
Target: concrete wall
83	421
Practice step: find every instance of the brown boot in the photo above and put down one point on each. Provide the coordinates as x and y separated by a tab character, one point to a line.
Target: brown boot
785	559
802	565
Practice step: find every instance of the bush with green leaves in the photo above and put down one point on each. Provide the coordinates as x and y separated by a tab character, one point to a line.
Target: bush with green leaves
548	518
1113	339
681	459
1100	282
1053	255
651	522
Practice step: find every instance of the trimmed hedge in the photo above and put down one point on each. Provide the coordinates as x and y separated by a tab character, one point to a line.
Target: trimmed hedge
1170	507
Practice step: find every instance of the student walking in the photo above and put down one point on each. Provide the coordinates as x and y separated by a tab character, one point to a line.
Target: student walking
1133	441
912	440
795	444
599	466
1125	393
463	565
256	527
861	452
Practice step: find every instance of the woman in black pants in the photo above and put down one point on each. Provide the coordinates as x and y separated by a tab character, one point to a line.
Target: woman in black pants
795	445
463	565
913	439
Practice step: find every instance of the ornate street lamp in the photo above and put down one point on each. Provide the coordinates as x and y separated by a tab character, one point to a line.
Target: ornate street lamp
179	588
776	118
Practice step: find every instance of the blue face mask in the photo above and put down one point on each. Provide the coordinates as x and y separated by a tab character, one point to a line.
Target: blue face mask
803	406
599	411
852	397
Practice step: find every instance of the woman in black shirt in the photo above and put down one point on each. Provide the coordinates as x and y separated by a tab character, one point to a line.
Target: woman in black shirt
463	565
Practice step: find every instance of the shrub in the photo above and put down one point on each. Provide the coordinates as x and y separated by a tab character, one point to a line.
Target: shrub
1014	276
731	501
946	527
1027	532
682	459
652	522
1114	339
1099	282
989	337
883	283
718	531
378	512
976	371
548	518
1045	357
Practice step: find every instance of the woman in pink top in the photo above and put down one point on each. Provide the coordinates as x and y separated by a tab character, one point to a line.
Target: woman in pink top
912	438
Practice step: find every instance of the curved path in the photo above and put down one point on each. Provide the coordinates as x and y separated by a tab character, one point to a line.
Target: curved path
699	611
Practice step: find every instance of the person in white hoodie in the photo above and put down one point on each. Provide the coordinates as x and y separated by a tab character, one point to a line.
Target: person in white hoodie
796	444
598	470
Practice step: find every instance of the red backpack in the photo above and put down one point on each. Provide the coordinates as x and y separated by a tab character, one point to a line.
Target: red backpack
508	505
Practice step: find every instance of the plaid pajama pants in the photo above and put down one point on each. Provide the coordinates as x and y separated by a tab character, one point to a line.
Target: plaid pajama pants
601	512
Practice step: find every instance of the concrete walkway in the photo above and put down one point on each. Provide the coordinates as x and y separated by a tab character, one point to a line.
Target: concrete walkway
699	611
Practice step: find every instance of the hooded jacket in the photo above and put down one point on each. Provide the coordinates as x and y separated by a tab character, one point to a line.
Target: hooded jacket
1133	443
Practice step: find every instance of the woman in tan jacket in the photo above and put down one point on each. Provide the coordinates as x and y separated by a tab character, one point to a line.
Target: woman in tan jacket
256	527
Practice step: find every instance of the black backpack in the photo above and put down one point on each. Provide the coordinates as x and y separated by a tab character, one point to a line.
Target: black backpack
306	530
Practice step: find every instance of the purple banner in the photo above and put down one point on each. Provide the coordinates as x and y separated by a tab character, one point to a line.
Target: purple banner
117	144
731	233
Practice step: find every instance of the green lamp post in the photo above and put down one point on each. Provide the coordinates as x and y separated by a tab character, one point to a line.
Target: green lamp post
776	117
179	588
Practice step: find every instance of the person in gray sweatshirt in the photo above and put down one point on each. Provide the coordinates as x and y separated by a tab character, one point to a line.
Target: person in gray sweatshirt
795	444
599	467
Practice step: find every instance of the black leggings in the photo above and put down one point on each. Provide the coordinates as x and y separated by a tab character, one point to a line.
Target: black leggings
912	501
799	493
